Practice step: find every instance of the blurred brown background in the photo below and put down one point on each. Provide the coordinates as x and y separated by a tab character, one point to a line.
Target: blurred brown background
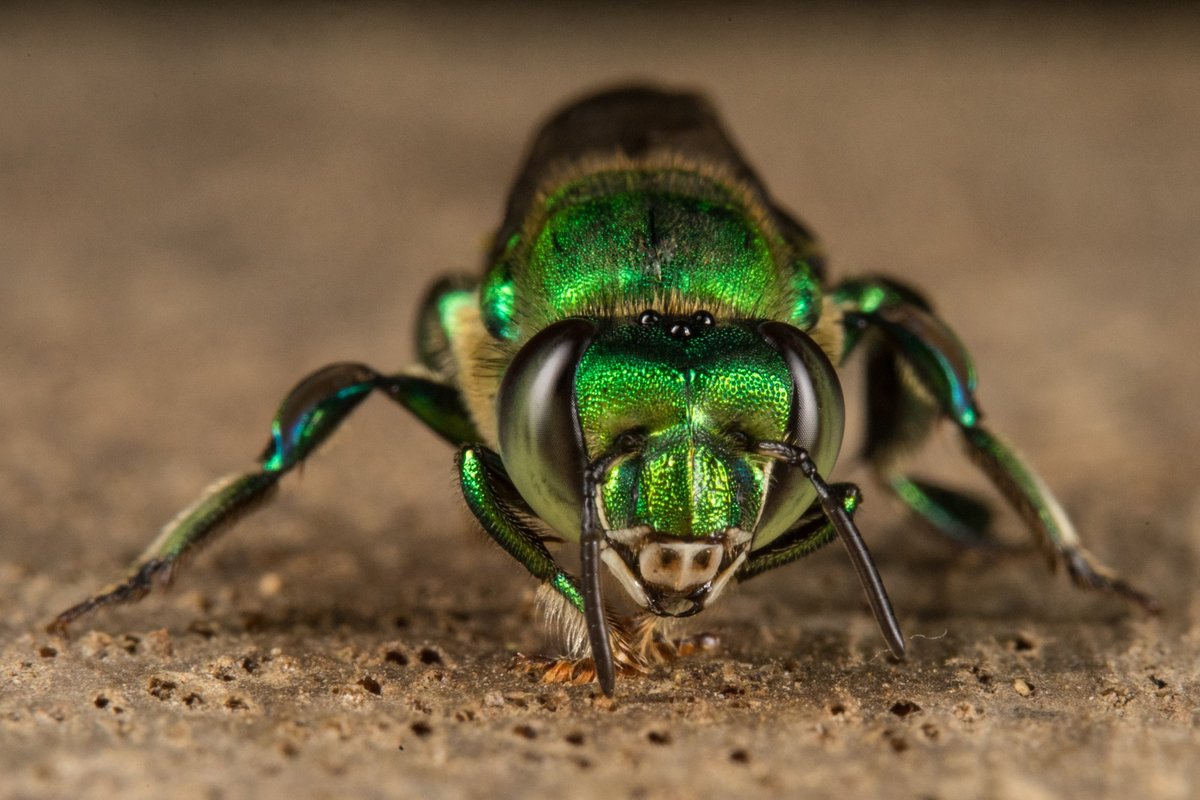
197	208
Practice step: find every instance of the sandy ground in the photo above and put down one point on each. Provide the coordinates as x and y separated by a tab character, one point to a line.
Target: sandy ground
196	210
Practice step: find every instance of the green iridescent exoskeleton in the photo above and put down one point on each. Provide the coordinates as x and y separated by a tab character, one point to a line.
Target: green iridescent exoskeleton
647	369
687	394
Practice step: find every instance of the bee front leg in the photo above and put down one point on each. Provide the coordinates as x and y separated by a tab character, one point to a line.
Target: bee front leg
636	643
505	517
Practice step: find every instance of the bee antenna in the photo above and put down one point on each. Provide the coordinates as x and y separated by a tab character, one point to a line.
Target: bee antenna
848	532
589	557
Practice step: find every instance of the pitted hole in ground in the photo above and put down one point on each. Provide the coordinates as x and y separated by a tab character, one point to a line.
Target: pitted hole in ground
395	657
160	688
739	756
658	737
102	702
430	656
254	621
47	652
903	708
836	709
1022	643
525	731
370	684
575	738
201	628
421	728
982	675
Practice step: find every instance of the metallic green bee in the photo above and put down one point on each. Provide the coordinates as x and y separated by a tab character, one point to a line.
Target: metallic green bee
647	368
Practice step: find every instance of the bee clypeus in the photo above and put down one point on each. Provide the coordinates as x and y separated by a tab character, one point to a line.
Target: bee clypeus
647	368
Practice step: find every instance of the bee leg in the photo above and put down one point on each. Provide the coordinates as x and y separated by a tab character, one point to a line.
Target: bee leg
438	324
900	416
309	414
1031	498
931	376
438	405
217	507
506	518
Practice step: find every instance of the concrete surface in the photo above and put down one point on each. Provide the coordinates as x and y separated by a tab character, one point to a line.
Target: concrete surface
198	208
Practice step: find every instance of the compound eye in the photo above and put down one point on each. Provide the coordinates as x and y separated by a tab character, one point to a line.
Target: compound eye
540	439
816	423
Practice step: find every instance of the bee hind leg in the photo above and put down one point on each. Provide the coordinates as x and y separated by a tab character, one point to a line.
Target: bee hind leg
918	373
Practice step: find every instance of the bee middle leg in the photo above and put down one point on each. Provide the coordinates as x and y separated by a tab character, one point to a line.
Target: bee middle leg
310	413
920	373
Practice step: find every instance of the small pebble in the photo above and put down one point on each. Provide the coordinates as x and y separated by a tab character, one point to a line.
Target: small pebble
270	584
